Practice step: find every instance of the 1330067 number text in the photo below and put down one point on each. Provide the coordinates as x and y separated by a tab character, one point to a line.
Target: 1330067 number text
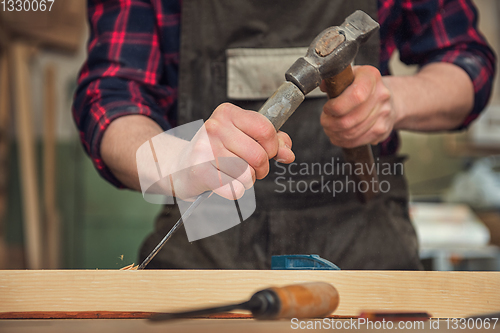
26	5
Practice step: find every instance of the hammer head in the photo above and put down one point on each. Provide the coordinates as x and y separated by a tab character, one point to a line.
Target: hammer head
331	51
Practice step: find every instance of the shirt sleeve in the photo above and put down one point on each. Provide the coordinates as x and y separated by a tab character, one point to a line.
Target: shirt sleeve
124	73
446	31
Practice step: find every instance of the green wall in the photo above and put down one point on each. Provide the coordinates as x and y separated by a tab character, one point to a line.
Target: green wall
115	222
100	223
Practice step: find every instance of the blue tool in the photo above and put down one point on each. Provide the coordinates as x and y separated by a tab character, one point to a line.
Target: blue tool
302	262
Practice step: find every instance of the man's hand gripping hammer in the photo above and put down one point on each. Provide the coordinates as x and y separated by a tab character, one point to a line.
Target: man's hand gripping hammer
328	58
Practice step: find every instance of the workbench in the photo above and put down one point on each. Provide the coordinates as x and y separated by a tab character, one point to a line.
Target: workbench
117	294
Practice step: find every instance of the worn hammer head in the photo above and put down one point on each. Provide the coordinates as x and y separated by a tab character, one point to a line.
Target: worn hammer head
331	51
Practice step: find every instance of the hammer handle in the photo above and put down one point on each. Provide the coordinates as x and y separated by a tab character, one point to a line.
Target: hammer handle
363	154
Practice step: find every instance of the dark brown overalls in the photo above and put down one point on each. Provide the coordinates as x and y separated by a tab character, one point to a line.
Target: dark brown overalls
296	210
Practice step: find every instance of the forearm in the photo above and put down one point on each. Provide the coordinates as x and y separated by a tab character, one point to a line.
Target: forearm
439	97
120	143
245	138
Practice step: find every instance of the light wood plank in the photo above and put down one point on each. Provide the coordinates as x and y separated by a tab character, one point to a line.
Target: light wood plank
19	57
442	294
142	326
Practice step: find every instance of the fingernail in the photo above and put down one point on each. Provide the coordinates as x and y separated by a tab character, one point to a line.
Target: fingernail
282	143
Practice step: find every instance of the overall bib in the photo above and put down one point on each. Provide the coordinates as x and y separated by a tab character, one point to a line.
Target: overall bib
297	211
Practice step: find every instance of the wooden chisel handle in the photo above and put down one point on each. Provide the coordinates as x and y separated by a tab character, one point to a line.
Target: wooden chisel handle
363	154
307	300
304	300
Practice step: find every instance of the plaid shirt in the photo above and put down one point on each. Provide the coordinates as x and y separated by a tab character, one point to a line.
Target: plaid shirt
133	57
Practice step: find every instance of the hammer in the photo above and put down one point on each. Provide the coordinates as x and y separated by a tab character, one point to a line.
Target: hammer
328	58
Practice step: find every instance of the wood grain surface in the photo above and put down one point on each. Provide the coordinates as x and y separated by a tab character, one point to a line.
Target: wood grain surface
442	294
143	326
202	325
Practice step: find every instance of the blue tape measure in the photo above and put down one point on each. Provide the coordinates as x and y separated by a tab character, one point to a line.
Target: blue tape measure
302	262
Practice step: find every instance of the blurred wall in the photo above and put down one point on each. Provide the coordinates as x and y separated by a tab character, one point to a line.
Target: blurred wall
102	227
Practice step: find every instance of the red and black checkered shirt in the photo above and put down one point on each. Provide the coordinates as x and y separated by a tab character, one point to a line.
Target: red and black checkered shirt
133	58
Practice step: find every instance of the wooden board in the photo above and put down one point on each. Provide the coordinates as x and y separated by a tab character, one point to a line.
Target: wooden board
202	326
111	315
442	294
142	326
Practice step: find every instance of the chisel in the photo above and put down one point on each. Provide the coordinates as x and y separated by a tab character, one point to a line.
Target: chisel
176	226
305	300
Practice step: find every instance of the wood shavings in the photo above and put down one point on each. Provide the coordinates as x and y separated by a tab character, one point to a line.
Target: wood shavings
130	267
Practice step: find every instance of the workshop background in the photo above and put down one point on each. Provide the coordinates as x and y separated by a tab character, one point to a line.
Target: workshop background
56	212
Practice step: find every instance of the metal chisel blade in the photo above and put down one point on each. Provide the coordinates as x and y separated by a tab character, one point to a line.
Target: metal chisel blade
176	226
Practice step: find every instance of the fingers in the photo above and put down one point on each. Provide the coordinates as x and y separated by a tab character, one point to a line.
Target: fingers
356	94
225	185
350	129
284	139
237	169
285	153
238	145
248	135
230	141
233	190
362	114
191	181
252	123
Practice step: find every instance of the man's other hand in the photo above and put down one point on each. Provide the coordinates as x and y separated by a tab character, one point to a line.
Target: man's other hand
362	114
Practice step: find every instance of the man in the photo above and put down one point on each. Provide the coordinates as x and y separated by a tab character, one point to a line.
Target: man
133	88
